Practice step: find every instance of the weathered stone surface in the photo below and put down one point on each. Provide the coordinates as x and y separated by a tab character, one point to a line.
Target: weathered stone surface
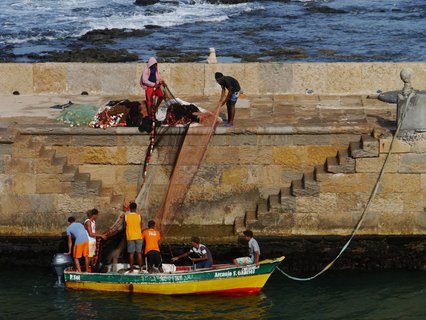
338	75
394	182
50	78
106	155
48	183
98	78
387	203
20	166
323	203
309	76
399	146
412	163
341	183
16	77
187	78
375	164
24	183
275	78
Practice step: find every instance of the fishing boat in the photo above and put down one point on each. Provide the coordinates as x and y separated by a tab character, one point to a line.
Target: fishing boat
220	279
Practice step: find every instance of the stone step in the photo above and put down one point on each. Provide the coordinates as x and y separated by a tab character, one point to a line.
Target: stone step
370	145
239	225
367	147
288	202
298	186
274	203
309	181
47	153
69	172
250	217
346	162
262	206
94	187
320	173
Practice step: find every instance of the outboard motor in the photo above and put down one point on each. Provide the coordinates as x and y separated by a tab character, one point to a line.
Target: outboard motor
60	262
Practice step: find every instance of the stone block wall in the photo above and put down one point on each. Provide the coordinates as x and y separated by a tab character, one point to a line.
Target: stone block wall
237	169
197	79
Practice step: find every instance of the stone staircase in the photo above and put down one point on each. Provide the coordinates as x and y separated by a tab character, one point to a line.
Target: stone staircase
277	209
36	170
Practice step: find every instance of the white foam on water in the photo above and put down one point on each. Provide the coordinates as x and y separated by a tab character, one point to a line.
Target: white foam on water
73	18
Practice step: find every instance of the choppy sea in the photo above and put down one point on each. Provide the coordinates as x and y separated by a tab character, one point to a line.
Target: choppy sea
286	30
31	294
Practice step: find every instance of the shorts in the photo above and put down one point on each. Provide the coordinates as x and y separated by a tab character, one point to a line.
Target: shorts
233	98
92	248
153	259
244	260
134	245
81	250
149	94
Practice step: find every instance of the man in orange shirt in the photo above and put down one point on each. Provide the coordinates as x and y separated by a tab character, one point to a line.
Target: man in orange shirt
134	236
151	238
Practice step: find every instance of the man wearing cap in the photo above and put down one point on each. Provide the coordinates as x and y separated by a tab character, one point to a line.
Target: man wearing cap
230	91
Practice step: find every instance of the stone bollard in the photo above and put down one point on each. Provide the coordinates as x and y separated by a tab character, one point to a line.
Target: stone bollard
212	56
411	106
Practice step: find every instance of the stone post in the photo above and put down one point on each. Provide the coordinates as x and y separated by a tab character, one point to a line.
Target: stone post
212	56
411	106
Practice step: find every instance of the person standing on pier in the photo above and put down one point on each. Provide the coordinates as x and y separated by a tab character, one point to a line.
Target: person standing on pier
77	231
151	82
230	92
254	250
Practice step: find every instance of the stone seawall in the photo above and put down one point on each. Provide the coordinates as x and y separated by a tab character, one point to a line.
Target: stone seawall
197	79
273	183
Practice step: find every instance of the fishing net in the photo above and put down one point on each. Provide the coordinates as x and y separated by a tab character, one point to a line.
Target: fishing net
180	135
180	142
77	114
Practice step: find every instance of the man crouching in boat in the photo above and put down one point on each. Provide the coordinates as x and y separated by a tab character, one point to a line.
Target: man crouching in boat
254	250
199	254
151	238
77	231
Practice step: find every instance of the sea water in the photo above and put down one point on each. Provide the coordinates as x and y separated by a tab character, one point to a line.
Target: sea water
326	30
32	294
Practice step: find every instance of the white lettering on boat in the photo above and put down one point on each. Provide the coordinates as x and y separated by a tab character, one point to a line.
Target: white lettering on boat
75	277
242	272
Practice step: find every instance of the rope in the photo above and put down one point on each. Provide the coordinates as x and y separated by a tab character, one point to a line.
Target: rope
370	199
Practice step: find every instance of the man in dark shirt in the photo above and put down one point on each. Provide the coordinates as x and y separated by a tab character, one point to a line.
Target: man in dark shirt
199	254
231	85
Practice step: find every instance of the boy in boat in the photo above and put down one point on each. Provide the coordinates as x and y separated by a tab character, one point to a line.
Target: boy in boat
199	254
90	225
254	250
151	82
231	85
151	238
133	222
81	246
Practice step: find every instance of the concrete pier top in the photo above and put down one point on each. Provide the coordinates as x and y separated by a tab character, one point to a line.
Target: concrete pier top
260	114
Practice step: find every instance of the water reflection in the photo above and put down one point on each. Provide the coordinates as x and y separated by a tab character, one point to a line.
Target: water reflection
102	305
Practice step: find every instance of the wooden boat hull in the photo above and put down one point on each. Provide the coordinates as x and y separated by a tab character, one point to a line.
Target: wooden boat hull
228	280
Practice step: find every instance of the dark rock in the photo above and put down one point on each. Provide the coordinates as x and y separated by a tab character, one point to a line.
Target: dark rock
108	35
227	1
325	9
86	55
152	26
146	2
